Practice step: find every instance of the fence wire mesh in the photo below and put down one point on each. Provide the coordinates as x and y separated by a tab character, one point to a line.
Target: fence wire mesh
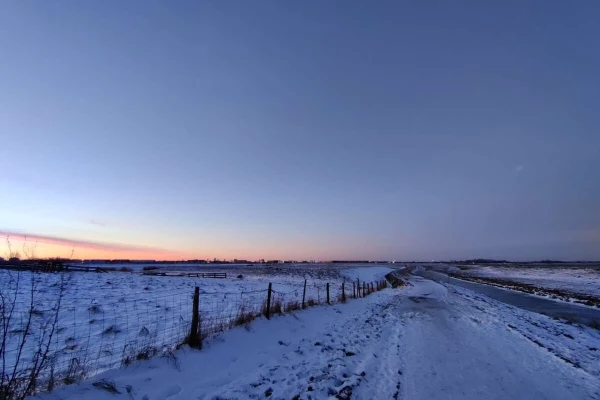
65	336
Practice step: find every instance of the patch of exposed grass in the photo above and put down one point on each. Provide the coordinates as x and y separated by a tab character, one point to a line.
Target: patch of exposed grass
107	385
111	329
293	306
595	324
311	303
244	316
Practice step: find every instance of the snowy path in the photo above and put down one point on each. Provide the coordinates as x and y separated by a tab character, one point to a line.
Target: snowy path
455	354
426	341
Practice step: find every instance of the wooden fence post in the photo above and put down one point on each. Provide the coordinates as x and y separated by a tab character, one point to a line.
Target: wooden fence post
194	339
364	289
304	296
268	314
328	293
358	287
343	293
353	290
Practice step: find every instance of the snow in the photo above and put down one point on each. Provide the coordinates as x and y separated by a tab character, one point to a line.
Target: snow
366	274
423	341
582	280
108	318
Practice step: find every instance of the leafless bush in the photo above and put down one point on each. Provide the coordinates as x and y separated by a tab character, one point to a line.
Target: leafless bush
27	364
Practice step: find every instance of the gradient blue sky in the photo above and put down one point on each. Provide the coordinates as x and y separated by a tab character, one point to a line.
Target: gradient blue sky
302	129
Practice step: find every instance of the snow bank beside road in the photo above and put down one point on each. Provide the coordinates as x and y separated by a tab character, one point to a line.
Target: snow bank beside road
367	274
573	279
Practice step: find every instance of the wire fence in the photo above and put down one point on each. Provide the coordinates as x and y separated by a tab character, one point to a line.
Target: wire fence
61	339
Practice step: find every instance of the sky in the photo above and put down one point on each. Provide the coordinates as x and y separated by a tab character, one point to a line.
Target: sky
300	129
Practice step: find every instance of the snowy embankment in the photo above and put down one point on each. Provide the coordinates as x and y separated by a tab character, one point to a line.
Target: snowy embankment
366	274
581	280
424	341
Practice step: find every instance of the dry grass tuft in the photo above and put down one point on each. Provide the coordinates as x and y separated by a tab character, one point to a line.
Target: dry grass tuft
311	303
107	385
277	307
244	317
293	306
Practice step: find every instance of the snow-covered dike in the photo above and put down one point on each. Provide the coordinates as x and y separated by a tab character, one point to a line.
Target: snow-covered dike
424	341
582	280
366	274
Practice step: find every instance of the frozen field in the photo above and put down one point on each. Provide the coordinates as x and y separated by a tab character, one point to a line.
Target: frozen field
90	322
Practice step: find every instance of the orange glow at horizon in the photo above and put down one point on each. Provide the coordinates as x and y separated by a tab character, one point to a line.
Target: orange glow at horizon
45	247
40	246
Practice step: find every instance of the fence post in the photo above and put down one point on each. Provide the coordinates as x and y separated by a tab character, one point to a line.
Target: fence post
364	289
194	340
328	293
343	293
358	287
353	290
304	295
268	313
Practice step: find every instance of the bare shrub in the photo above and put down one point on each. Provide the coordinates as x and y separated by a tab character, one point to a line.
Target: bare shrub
75	373
27	362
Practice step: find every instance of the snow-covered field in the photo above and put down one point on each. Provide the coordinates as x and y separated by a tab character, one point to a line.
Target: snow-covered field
423	341
106	320
582	280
